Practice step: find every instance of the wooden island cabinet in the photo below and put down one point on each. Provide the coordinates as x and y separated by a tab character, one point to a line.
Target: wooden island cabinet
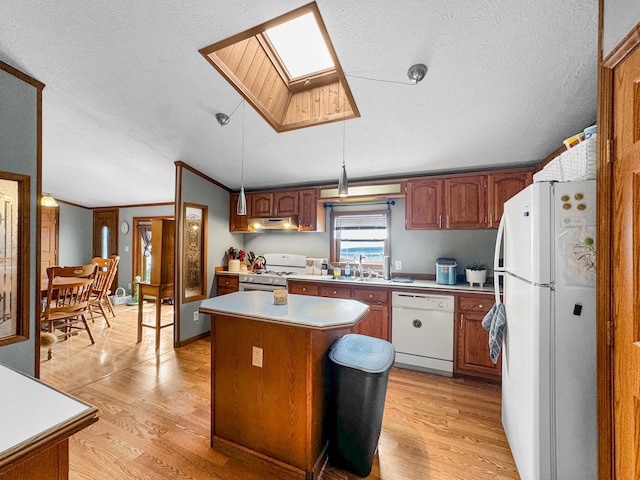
269	378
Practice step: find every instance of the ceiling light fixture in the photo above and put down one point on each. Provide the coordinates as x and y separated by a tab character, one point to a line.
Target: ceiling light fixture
48	201
222	118
417	72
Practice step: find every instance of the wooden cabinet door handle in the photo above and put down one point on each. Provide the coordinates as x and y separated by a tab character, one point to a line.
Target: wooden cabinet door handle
334	292
304	289
480	306
370	295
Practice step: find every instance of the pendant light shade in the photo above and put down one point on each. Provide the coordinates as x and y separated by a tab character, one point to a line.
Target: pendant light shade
241	207
343	183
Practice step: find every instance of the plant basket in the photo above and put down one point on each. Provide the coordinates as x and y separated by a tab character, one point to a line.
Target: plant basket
120	297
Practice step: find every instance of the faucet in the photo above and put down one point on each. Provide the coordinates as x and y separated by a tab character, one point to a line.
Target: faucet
360	257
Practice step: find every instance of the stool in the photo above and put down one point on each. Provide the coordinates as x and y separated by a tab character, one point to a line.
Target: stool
150	290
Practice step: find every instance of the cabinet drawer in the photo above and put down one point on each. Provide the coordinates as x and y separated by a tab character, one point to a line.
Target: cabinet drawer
335	292
227	282
475	304
372	296
303	289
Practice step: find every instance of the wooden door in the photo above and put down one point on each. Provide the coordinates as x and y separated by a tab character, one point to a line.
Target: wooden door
285	204
238	223
625	267
48	240
466	202
424	204
501	187
308	210
262	204
105	236
472	341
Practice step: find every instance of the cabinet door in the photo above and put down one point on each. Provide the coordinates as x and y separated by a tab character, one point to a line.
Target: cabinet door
262	204
238	223
308	210
335	292
375	323
472	352
424	205
466	202
503	186
285	204
226	284
303	288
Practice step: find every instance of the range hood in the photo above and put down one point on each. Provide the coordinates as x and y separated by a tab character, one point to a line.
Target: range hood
274	223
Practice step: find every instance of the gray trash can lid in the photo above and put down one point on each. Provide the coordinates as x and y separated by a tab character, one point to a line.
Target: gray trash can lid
369	354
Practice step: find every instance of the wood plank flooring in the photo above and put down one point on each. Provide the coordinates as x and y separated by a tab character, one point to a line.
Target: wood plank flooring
154	415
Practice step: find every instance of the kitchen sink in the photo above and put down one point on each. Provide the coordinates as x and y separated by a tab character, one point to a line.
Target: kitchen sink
378	281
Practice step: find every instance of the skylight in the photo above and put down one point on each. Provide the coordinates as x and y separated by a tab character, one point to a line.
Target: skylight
300	46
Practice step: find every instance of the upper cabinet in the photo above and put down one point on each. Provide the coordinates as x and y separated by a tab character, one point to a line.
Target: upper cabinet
303	203
238	223
501	187
285	203
465	201
461	202
424	204
261	204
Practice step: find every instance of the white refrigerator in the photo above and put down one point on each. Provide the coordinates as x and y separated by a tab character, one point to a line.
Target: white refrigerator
545	255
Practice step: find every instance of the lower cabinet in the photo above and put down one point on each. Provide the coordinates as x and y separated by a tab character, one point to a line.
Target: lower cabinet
472	356
374	324
226	284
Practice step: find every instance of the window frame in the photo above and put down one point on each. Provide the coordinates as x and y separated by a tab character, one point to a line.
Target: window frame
346	213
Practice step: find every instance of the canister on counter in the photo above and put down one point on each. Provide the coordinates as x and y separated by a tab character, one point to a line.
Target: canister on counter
446	271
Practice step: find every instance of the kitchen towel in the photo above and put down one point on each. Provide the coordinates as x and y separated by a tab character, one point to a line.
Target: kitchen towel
494	322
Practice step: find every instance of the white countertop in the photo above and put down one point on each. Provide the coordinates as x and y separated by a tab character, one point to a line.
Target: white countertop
30	410
426	284
301	310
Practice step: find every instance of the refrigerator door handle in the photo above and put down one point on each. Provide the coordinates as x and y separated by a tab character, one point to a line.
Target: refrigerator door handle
497	269
499	242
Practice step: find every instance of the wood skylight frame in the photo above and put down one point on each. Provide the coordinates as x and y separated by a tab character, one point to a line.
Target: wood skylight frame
251	65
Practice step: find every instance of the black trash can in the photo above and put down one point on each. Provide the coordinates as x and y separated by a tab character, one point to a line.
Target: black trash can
360	368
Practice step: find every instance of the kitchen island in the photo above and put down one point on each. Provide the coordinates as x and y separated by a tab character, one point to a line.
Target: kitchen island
269	367
37	421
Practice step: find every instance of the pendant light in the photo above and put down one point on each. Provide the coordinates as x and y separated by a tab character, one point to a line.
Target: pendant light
241	207
48	201
223	119
343	181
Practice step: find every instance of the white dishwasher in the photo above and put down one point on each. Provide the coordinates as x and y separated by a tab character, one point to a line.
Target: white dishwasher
422	331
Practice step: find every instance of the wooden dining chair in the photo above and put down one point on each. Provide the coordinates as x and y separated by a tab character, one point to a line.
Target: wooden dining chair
67	303
107	268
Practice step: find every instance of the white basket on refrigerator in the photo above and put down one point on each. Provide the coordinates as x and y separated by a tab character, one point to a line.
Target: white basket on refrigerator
577	163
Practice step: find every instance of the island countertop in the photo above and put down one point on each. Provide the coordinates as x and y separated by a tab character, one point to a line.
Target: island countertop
301	310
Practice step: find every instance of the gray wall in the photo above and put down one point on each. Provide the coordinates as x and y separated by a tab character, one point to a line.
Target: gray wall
620	16
196	189
19	154
74	235
125	240
416	249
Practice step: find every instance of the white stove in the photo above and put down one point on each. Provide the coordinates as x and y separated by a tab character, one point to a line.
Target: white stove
279	266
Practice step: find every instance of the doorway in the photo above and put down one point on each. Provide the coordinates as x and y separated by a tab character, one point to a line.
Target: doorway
619	261
48	240
105	235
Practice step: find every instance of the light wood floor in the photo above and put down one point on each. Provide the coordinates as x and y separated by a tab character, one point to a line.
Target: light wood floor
154	415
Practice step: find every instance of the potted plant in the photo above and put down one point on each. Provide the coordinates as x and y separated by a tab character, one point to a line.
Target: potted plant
476	273
235	257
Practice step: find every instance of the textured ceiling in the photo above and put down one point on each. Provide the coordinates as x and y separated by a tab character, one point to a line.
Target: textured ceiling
127	93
